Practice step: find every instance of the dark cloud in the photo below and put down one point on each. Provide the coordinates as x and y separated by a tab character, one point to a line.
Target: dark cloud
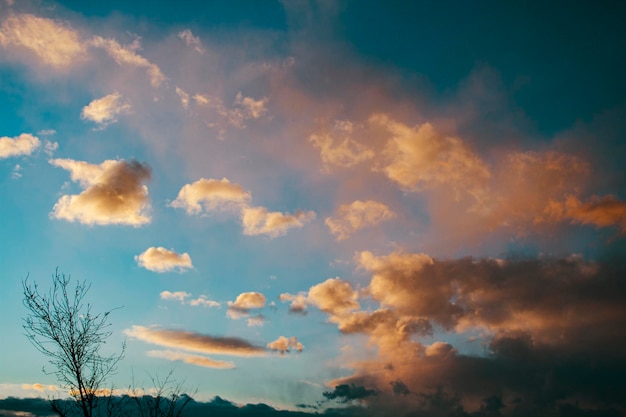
346	393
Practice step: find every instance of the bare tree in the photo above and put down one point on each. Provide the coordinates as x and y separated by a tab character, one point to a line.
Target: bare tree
166	399
62	326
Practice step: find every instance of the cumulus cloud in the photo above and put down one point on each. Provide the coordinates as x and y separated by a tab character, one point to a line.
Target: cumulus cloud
244	303
24	144
163	260
113	193
54	43
339	148
259	221
207	195
284	345
197	360
192	41
357	215
422	158
298	302
334	296
105	110
195	342
127	55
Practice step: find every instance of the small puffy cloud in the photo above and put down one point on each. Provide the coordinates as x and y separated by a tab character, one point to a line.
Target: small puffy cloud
284	345
244	303
177	295
105	110
253	109
126	55
24	144
298	302
599	211
195	342
190	359
113	193
258	221
204	302
50	147
192	41
355	216
423	158
256	321
163	260
339	148
210	195
334	296
54	43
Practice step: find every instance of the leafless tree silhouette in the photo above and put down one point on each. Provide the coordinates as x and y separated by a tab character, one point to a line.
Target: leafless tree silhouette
62	326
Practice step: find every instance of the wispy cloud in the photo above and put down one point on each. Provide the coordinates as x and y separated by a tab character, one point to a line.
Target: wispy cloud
357	215
192	41
260	221
197	360
105	110
195	342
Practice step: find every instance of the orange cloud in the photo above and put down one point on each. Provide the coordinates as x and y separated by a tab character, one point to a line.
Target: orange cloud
357	215
163	260
114	193
210	195
284	345
259	221
190	359
195	342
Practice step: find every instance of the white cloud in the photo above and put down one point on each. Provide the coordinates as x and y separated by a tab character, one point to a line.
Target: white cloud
113	193
163	260
55	43
357	215
258	221
177	295
105	110
192	41
244	303
24	144
210	195
204	302
126	55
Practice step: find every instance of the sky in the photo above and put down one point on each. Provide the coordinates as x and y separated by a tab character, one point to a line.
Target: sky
389	207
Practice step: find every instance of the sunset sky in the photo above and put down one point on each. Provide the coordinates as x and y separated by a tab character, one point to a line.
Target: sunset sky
406	199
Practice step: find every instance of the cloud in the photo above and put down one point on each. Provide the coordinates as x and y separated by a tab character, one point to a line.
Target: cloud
163	260
284	345
184	97
256	321
105	110
334	296
113	193
126	55
357	215
244	303
24	144
204	302
56	44
190	359
253	109
346	393
339	148
40	387
258	221
422	158
210	195
604	211
195	342
177	295
192	41
298	302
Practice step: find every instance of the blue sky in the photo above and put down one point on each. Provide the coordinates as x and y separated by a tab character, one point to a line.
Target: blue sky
364	192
